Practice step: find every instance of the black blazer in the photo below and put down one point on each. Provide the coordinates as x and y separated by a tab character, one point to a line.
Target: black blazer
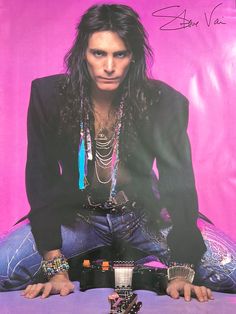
53	194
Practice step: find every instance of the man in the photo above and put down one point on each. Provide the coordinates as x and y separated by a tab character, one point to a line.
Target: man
93	135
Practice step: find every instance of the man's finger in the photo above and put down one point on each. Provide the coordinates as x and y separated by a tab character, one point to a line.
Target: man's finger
46	291
34	291
37	290
30	290
187	292
174	293
204	293
64	291
209	293
198	292
26	290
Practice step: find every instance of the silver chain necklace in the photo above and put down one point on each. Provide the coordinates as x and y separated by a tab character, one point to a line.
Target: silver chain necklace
104	152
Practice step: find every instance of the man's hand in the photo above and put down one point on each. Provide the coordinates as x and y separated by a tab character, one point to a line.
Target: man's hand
58	284
177	287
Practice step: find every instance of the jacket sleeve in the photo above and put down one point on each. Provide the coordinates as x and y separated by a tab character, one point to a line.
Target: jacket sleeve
42	170
176	179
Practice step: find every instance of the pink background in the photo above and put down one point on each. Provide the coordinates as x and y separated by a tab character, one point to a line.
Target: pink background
198	61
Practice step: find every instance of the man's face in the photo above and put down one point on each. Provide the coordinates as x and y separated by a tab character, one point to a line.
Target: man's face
108	60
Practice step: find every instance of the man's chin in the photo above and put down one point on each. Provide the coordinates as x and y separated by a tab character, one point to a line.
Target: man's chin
106	87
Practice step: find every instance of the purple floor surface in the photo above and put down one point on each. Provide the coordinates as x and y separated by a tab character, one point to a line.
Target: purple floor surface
95	302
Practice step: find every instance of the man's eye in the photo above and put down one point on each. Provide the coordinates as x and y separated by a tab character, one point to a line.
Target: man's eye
98	53
121	54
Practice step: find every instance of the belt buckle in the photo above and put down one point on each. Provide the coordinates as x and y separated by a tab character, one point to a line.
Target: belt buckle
108	205
119	202
91	203
120	198
114	205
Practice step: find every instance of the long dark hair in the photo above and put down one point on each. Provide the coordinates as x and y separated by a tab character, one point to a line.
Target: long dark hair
126	23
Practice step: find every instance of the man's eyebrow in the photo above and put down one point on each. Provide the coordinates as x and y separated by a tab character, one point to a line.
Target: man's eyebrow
95	49
101	50
123	51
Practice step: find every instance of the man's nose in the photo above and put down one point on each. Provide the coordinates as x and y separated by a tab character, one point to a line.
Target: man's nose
109	66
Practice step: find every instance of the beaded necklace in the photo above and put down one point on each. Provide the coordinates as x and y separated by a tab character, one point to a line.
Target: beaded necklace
116	153
104	152
85	154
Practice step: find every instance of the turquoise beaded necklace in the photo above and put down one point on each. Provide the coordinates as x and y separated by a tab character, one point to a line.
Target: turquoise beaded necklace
85	154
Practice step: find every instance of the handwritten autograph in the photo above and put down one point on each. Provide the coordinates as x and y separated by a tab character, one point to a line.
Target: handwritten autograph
180	21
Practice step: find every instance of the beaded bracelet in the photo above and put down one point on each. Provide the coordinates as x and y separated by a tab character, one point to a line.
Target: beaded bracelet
180	270
56	265
180	264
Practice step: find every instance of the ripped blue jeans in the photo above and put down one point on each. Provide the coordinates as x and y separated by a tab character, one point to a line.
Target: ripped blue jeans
20	261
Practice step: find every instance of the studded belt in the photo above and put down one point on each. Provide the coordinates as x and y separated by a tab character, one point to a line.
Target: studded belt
120	204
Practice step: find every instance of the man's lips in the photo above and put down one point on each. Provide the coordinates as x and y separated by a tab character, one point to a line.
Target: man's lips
108	79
